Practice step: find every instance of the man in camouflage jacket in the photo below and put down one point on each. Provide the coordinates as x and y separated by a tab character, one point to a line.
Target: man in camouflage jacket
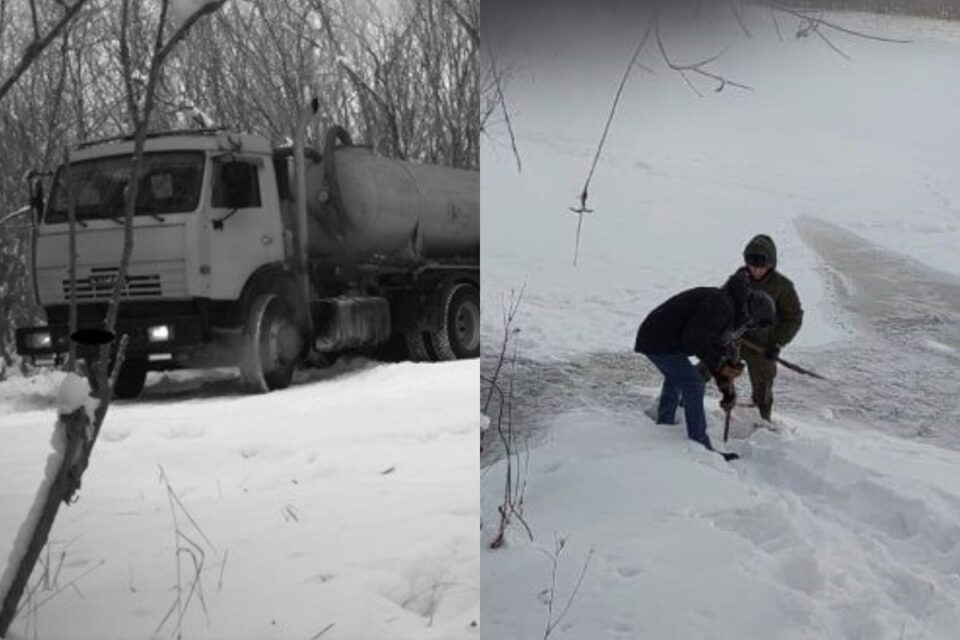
760	256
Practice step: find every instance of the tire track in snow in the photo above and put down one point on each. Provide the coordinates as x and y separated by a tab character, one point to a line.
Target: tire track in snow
900	373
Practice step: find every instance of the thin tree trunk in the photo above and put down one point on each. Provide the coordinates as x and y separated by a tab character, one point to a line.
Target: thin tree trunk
62	488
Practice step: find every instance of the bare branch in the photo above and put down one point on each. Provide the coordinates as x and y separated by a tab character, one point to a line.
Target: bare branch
467	26
776	24
509	313
35	48
697	67
559	546
72	219
502	101
820	21
829	43
606	129
210	7
126	65
736	14
33	16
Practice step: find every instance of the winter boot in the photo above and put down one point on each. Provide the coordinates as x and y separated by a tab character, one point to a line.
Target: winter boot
765	408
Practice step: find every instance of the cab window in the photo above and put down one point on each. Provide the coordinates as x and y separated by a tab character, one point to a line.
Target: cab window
236	184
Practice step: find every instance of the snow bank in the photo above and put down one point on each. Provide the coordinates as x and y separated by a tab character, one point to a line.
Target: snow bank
35	392
819	534
347	501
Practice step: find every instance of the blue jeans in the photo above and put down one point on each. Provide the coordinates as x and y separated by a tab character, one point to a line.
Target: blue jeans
680	378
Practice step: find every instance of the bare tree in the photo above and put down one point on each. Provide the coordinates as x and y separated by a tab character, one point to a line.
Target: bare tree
80	428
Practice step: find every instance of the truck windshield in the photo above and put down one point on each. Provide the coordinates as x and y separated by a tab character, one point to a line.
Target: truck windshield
170	183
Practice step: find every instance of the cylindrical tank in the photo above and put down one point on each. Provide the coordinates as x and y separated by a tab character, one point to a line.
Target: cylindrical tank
381	208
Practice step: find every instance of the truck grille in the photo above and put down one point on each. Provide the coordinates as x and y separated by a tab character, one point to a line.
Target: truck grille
99	285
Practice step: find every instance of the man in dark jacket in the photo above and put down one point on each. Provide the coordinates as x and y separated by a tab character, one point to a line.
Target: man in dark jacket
701	322
760	256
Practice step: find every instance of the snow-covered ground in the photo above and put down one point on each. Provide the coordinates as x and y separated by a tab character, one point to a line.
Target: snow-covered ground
846	524
343	507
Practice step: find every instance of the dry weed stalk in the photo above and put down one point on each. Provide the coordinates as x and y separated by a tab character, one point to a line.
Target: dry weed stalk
186	548
559	544
516	467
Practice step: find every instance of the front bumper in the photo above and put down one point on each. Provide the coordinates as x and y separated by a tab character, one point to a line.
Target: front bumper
52	341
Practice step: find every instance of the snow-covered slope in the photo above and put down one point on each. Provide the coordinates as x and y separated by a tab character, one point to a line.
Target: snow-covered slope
821	534
348	502
846	524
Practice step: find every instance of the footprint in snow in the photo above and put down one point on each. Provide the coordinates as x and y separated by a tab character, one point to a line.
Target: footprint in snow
629	571
187	431
116	435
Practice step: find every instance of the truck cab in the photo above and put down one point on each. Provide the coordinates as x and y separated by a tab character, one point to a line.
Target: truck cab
207	217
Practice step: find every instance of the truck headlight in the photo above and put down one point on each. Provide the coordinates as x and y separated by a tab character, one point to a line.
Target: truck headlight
160	333
40	340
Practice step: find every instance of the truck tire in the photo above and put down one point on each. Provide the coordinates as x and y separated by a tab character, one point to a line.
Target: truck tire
272	344
458	336
417	349
130	381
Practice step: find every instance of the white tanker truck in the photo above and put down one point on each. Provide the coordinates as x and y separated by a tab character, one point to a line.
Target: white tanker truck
236	261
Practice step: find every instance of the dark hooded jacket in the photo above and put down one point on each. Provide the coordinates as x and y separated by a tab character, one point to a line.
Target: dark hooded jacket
781	289
697	322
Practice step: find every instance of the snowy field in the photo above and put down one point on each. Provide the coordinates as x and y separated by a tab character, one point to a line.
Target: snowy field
846	524
343	507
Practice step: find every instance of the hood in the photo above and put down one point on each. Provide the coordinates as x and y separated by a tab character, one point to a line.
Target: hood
764	245
738	288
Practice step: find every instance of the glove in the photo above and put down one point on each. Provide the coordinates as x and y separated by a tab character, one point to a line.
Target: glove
772	352
731	370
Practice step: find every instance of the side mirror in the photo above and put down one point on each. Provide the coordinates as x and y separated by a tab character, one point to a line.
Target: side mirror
36	199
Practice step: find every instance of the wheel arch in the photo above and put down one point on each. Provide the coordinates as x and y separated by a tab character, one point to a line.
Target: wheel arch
270	278
435	290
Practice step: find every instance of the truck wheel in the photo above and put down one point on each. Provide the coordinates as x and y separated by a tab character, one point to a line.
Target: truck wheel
272	344
417	348
459	334
133	375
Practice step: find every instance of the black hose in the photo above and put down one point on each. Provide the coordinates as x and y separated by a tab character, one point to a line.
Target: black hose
334	133
333	199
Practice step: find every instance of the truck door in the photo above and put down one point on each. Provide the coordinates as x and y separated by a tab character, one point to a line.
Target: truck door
243	227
